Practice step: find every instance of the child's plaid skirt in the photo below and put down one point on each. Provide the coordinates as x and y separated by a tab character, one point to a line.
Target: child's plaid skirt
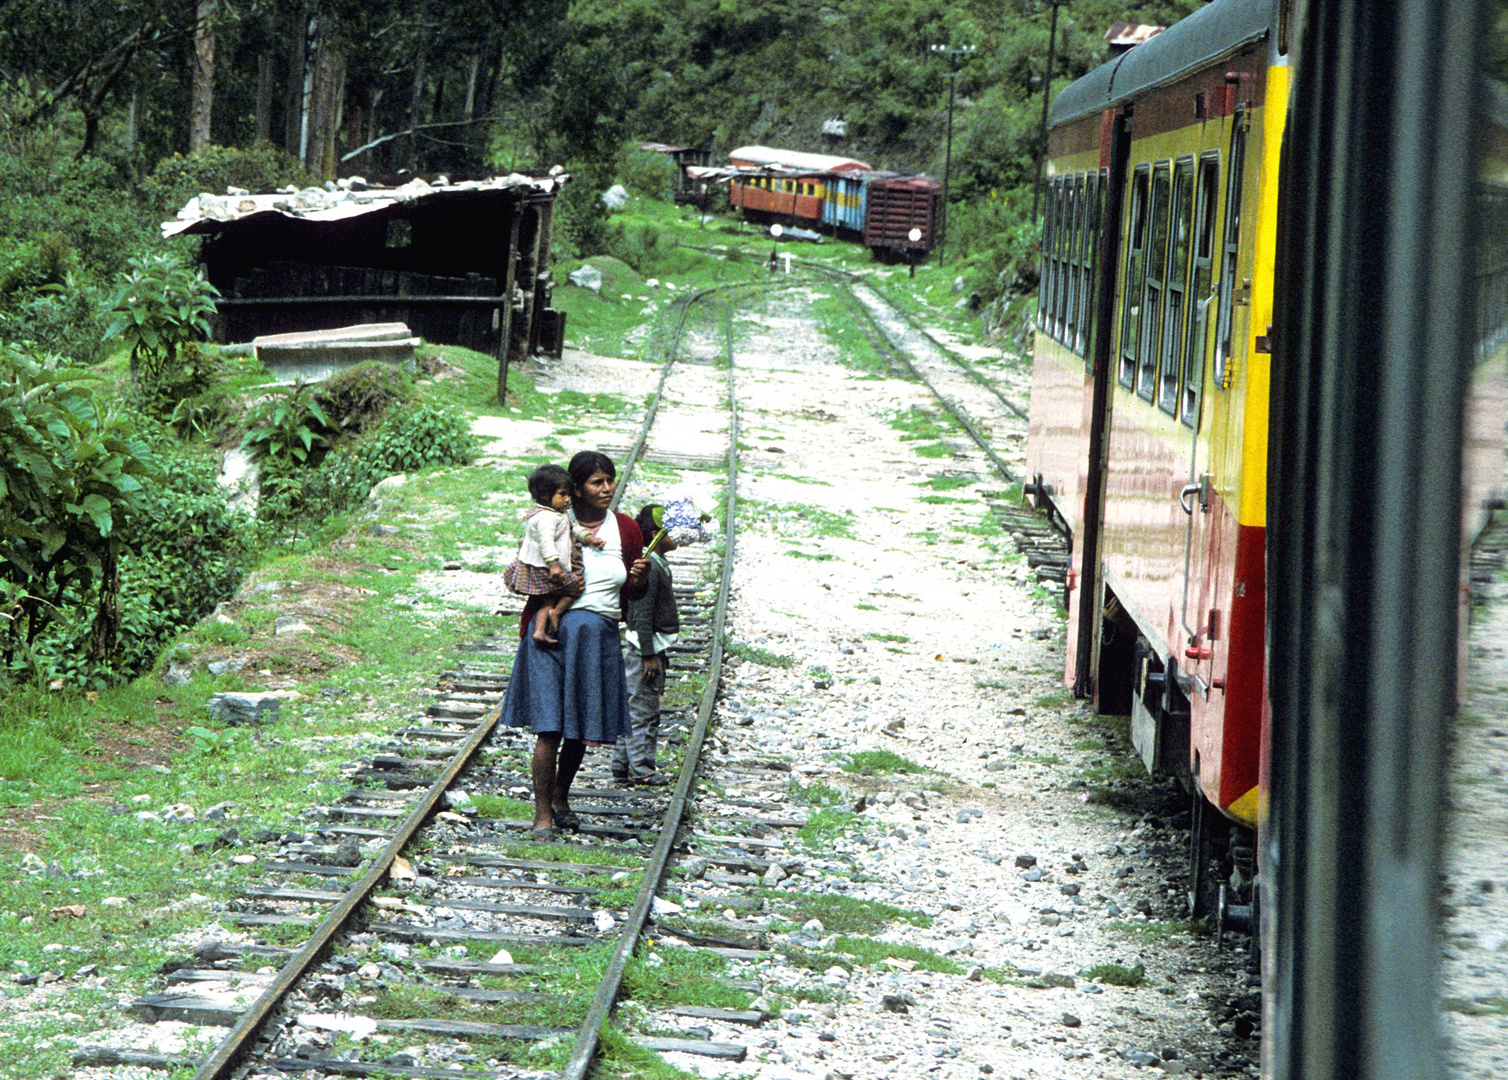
528	580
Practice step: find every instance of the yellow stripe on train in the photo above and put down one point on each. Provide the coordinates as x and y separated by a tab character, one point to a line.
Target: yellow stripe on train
1244	809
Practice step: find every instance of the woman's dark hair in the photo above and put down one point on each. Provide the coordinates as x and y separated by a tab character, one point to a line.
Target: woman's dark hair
545	481
646	521
586	462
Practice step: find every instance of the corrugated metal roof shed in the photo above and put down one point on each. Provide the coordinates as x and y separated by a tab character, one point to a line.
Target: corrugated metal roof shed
207	214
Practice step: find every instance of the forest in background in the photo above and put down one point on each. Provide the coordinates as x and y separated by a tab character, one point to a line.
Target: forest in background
133	86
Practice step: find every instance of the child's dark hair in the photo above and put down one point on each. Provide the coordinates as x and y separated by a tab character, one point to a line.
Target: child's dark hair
545	481
646	521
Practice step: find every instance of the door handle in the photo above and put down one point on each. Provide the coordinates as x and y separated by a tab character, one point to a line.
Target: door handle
1202	489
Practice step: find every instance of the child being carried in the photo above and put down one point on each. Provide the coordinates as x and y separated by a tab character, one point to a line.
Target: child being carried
549	552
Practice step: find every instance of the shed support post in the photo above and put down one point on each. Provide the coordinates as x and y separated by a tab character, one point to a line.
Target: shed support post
505	315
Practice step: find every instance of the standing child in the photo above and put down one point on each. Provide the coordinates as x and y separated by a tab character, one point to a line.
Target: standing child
653	623
549	552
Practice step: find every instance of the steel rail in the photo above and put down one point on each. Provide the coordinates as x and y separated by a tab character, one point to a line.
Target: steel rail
626	470
955	410
218	1064
589	1037
964	365
235	1044
906	316
631	459
848	280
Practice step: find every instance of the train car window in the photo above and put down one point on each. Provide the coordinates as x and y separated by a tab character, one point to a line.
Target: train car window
1131	283
1081	253
1206	193
1175	304
1230	247
1059	243
1044	271
1092	211
1156	291
1071	260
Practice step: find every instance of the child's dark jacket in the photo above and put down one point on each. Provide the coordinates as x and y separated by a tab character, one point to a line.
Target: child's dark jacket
654	612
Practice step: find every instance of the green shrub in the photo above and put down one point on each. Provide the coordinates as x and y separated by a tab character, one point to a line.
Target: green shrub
187	549
640	248
161	305
357	400
289	431
84	203
650	173
996	235
69	474
64	320
205	415
581	221
413	437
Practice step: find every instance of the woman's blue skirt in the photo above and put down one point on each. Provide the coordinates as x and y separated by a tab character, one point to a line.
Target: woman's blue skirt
576	688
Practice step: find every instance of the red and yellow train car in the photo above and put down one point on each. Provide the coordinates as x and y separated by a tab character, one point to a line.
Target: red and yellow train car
1151	357
789	186
1150	400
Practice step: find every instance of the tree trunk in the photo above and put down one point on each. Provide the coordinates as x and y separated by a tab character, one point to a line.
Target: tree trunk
265	76
414	103
133	121
473	69
325	100
204	77
293	101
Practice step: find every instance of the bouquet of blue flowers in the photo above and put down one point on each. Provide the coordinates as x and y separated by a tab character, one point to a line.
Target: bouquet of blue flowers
681	521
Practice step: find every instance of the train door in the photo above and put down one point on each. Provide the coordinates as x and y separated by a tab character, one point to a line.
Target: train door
1103	359
1202	539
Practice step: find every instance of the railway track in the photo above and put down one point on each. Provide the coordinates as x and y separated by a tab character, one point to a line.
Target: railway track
481	954
994	421
414	911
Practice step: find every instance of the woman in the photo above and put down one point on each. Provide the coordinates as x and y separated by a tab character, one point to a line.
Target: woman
574	692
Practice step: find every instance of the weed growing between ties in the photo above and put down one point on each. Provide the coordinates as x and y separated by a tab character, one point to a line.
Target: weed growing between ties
1112	974
678	976
755	654
501	808
838	914
880	763
826	826
408	1002
623	1059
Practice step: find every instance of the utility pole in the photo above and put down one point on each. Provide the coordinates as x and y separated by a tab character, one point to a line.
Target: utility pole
1052	49
952	52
